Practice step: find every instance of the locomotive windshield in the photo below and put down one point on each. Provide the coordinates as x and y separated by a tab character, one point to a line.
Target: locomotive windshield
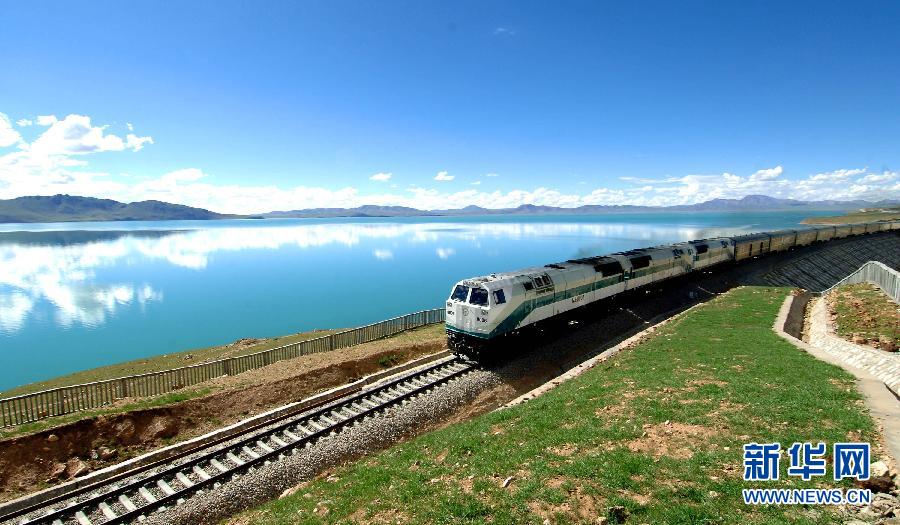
460	293
479	297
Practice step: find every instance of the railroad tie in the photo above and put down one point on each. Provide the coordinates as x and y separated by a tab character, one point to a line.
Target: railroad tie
127	503
108	512
184	480
220	467
147	495
201	473
234	459
165	487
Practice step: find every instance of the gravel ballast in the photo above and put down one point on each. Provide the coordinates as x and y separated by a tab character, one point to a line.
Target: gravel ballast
375	433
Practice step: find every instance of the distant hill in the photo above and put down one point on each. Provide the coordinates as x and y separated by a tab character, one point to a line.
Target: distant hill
748	203
65	208
69	208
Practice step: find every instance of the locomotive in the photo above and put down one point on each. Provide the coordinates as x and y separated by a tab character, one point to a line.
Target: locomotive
481	311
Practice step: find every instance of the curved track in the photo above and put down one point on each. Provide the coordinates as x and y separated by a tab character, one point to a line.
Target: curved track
155	487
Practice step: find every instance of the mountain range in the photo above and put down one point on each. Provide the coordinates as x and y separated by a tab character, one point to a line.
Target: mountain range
66	208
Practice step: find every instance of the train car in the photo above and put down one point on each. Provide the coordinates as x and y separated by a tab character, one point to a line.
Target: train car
706	252
648	265
841	231
482	310
824	233
750	245
806	236
782	240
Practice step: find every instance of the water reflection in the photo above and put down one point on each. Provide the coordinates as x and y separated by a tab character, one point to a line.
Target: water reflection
61	268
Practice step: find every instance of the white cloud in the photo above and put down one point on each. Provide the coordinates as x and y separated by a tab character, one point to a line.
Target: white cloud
491	174
24	122
129	126
135	143
887	176
45	120
504	31
381	177
767	174
8	135
57	162
383	255
476	183
445	253
74	135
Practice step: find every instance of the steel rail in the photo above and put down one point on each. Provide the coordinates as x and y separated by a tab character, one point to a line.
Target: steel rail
404	385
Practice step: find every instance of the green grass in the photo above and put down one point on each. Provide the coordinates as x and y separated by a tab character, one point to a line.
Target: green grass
716	378
865	309
887	214
162	362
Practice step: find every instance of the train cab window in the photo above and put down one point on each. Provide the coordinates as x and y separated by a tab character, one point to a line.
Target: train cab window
546	280
479	297
677	253
460	293
499	297
528	285
724	244
701	248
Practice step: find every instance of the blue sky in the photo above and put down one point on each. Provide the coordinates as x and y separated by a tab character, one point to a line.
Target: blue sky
247	106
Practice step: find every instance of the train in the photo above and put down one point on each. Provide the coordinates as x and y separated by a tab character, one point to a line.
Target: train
483	311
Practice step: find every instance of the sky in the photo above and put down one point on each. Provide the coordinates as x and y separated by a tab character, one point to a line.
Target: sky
247	107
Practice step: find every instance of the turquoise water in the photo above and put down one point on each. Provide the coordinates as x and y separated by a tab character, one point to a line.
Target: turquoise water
81	295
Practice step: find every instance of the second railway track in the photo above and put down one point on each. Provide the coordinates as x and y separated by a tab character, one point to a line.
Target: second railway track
155	487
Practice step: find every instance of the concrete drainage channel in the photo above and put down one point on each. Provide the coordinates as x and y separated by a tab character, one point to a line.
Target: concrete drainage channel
144	486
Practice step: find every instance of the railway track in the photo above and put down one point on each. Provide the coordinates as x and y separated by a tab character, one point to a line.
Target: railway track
155	487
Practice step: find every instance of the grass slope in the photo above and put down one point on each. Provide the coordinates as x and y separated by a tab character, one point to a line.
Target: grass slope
866	310
657	429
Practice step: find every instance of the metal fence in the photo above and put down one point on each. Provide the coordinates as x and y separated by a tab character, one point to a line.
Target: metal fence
877	273
69	399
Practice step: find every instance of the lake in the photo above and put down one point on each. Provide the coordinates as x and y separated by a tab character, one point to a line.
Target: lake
80	295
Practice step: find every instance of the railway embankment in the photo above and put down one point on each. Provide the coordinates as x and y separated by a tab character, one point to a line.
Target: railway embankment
56	450
653	435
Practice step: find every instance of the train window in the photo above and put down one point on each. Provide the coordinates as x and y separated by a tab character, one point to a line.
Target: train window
701	248
460	293
547	281
724	244
479	297
499	297
609	268
640	262
528	285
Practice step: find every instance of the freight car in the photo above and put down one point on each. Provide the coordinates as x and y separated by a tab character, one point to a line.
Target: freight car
482	310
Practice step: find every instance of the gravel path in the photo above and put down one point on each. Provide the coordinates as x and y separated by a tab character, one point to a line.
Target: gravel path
883	365
261	485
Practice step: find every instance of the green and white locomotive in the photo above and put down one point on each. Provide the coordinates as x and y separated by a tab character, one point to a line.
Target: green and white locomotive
482	310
